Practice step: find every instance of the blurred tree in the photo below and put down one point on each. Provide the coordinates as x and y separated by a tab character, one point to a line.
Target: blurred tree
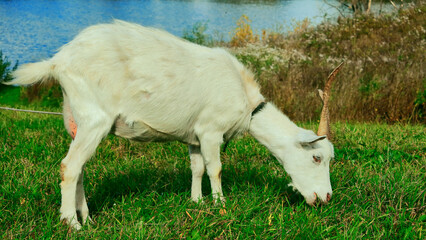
357	6
5	70
364	6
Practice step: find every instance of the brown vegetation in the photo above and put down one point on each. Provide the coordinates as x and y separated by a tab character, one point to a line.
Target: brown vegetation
383	77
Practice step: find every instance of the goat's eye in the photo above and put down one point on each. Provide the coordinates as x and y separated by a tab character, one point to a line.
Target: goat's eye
317	159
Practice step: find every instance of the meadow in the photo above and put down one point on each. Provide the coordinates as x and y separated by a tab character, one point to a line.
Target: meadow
142	190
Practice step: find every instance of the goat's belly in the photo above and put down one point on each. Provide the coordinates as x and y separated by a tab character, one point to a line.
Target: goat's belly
142	132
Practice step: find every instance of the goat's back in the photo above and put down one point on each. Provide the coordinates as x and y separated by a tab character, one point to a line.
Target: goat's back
149	76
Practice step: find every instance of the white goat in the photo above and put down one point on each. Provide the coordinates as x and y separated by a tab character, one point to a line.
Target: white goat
147	85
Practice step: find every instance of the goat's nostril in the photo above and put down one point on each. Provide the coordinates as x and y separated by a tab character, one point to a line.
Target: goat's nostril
328	197
313	201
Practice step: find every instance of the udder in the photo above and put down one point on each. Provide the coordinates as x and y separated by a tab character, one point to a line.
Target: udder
69	121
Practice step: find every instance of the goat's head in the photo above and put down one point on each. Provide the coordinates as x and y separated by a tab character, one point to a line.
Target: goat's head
310	159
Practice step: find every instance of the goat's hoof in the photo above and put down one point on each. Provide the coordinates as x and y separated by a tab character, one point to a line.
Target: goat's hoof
221	201
73	223
198	200
88	219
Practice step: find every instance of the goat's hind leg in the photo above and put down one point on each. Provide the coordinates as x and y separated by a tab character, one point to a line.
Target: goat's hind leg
81	149
81	203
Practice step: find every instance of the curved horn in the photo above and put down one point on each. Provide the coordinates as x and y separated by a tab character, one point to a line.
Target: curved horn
324	125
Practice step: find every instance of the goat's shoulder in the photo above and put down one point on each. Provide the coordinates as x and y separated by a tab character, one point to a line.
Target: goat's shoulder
249	83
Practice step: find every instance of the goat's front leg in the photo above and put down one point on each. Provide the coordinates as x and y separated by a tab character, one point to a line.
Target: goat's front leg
197	168
210	149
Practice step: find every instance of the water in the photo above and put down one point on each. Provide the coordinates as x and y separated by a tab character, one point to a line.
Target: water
33	30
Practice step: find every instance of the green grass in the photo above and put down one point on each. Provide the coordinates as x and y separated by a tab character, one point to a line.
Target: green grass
142	190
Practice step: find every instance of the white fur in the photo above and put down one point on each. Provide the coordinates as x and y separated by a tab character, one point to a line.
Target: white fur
147	85
295	148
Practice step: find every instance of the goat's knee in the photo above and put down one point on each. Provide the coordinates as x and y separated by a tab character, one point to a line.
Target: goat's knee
197	167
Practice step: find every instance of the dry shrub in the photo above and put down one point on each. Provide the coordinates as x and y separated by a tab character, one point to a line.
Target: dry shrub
48	93
243	34
301	26
383	78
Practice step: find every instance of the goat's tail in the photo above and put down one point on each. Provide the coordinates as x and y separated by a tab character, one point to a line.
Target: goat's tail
32	73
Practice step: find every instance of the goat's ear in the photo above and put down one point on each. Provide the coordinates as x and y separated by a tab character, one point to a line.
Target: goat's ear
309	137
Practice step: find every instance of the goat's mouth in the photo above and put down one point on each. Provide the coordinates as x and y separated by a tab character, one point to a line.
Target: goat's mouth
315	200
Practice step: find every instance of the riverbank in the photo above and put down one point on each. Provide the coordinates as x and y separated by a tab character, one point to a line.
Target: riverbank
383	78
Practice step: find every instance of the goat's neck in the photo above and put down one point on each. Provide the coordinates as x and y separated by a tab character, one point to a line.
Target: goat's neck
272	128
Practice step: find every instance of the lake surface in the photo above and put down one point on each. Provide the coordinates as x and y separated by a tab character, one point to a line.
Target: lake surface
31	30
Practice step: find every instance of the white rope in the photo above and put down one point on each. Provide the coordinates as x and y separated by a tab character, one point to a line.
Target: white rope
30	111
